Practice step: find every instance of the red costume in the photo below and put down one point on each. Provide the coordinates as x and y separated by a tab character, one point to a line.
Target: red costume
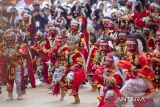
60	73
2	63
14	66
110	83
76	74
139	74
27	58
48	53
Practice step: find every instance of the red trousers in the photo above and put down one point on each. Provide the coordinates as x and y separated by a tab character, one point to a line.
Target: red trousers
10	78
31	73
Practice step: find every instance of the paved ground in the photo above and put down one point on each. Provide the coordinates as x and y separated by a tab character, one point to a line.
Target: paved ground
39	97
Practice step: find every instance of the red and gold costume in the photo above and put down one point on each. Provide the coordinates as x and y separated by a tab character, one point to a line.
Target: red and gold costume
2	63
91	62
34	49
47	52
155	60
59	76
9	52
14	66
97	58
83	22
110	82
139	73
76	74
74	31
27	63
83	50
